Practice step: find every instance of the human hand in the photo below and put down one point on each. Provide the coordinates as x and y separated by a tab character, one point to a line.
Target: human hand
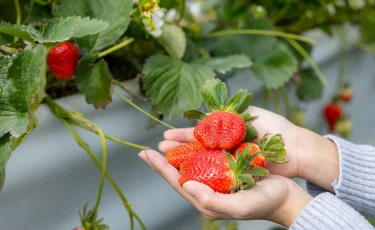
274	198
265	122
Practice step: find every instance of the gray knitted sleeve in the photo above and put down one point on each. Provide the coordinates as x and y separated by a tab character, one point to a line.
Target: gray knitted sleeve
355	191
327	212
356	184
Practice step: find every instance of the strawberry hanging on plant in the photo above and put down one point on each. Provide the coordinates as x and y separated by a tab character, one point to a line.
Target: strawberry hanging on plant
62	60
332	113
346	94
225	126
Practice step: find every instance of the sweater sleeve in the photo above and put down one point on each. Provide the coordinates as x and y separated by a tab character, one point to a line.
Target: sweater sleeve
327	212
356	183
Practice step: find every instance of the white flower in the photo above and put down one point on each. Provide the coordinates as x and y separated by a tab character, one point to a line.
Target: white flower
195	8
172	15
331	9
357	4
154	27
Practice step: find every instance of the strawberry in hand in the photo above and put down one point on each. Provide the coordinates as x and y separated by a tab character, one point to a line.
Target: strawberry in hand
224	128
177	155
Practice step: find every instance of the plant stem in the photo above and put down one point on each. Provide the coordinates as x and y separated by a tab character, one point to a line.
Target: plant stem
141	147
104	156
84	145
126	89
275	101
285	96
116	47
312	63
18	12
182	10
262	32
143	111
60	112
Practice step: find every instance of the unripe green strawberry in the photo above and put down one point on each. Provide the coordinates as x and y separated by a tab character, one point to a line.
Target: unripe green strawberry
177	155
221	130
62	60
343	127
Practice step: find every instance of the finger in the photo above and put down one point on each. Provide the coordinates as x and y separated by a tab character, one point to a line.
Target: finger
180	135
142	155
198	190
171	175
165	146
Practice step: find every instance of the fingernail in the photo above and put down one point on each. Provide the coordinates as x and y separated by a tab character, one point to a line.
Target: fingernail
190	188
141	154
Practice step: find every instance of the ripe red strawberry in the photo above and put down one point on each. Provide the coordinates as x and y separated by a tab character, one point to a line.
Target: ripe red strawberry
221	130
220	171
177	155
225	127
332	113
346	95
62	60
259	160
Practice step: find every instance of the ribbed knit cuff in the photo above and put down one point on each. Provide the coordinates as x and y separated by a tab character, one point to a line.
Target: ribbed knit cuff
356	184
327	212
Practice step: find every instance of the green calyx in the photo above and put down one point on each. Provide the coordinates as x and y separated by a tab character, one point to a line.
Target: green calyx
89	220
246	175
273	150
215	98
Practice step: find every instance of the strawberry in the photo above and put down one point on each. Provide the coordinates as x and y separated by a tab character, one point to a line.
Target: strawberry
177	155
221	130
343	127
272	151
332	113
225	127
254	148
62	60
346	95
219	170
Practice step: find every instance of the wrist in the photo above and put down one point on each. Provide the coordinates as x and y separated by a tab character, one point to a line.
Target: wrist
318	159
296	201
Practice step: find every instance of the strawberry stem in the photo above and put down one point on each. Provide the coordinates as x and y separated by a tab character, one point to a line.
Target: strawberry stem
262	32
116	47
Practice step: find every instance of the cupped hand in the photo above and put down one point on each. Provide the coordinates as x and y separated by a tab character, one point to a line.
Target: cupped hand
274	198
266	121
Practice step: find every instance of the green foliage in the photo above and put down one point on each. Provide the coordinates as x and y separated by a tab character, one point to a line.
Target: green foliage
95	81
115	12
310	87
224	64
173	40
168	80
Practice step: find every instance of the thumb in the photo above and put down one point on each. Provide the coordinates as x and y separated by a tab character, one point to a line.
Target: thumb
194	187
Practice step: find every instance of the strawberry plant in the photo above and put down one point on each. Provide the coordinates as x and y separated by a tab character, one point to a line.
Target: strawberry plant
54	48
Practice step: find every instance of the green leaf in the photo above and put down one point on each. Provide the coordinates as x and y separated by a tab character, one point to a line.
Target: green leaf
2	179
18	92
4	62
5	150
275	68
62	29
194	114
250	45
258	171
247	117
173	41
246	180
115	12
251	133
172	85
24	32
310	87
215	94
95	81
5	39
240	102
225	64
231	162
